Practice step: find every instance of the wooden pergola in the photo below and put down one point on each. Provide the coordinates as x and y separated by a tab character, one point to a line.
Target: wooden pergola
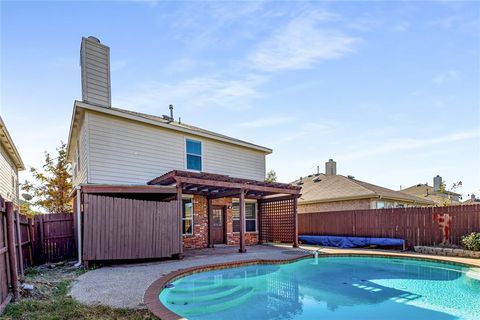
277	202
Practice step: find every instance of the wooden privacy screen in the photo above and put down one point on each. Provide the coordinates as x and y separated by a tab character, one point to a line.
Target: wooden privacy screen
418	226
117	228
54	237
277	220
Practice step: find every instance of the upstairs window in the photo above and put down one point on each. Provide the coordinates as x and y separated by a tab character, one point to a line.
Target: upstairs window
194	155
78	155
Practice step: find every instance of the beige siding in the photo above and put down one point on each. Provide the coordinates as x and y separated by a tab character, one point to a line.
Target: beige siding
8	188
81	172
233	161
95	61
127	152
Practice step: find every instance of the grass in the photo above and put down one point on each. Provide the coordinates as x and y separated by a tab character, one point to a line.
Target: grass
50	301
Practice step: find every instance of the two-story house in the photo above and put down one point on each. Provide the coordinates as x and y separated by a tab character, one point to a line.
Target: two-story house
10	164
118	152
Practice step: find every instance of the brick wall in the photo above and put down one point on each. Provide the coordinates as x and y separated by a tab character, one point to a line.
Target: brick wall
199	239
359	204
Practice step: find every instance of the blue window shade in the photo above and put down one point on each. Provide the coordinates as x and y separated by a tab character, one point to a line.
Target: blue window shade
194	155
194	162
194	147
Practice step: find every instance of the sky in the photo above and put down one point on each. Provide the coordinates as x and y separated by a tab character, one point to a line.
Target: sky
389	90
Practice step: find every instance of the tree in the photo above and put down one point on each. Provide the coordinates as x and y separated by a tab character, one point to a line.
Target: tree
53	184
271	176
443	189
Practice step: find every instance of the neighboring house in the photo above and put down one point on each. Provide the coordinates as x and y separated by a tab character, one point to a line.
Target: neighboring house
333	192
10	164
108	146
437	193
472	200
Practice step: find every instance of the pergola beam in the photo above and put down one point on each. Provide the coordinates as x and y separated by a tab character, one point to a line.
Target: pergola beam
235	185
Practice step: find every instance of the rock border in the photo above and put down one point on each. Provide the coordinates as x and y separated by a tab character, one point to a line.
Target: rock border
449	252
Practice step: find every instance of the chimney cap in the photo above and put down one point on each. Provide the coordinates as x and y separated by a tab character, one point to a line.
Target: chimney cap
94	39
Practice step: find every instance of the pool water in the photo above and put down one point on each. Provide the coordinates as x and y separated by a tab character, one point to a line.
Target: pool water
333	288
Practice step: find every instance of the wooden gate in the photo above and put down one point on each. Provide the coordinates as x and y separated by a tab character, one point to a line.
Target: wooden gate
55	239
118	229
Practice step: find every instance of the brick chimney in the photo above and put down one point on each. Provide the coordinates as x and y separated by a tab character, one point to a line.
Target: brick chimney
95	65
331	168
437	183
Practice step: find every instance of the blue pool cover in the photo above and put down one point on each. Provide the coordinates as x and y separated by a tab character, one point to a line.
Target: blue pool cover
349	242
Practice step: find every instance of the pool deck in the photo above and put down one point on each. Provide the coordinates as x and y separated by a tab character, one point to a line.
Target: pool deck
124	286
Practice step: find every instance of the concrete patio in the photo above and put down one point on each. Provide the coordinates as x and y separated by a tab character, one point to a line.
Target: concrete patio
123	286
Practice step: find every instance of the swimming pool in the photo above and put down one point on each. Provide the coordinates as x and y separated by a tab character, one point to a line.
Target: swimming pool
333	288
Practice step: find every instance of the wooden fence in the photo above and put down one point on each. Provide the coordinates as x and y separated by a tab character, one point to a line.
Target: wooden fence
418	226
118	229
16	249
54	237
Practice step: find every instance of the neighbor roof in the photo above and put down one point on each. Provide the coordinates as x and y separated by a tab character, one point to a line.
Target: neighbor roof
325	188
423	190
7	142
161	122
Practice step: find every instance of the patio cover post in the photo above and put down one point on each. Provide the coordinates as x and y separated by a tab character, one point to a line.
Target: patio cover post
242	221
210	229
180	220
295	220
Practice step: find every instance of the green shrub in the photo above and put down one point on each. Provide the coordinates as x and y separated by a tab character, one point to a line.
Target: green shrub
471	241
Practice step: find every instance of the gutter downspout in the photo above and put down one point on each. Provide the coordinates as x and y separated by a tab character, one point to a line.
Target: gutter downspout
79	228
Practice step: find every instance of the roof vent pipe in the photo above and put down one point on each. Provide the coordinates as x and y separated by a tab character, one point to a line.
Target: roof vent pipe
171	111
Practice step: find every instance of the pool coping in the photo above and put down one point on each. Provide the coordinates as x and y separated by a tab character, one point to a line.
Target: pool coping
153	303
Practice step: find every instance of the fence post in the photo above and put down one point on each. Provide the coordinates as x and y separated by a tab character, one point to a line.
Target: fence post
42	240
19	241
12	257
31	239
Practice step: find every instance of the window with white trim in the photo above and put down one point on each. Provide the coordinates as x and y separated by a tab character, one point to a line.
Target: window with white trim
194	154
380	204
187	217
78	155
250	216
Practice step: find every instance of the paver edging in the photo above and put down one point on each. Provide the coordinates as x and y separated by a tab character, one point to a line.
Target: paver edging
153	303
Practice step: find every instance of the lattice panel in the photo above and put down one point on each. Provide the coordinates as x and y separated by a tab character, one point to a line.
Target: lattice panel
277	220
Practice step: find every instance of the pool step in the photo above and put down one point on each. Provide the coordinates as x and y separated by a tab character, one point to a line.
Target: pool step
219	304
197	288
195	296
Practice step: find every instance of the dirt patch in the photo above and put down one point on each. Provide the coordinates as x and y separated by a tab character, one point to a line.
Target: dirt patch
44	295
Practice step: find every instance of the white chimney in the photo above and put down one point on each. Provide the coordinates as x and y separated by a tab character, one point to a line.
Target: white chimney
331	168
437	183
95	65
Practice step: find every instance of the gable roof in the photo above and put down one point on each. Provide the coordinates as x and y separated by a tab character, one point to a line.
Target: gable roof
7	142
157	121
326	188
423	190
